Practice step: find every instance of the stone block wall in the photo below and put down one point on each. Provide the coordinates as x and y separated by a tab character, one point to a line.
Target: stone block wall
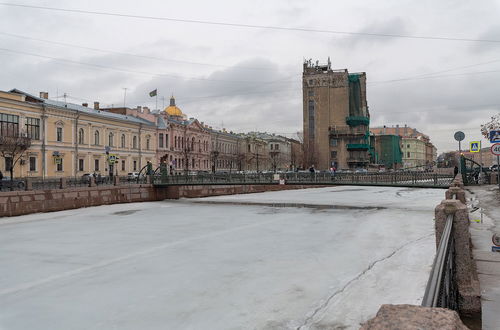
26	202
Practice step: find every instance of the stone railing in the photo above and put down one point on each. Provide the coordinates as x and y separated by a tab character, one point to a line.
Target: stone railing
468	302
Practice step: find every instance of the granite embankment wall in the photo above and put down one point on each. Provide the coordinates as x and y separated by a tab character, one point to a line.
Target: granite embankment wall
34	201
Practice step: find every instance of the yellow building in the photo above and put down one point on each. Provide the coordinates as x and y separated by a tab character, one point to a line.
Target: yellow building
72	140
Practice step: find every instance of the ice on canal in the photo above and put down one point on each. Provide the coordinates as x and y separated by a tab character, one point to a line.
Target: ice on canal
308	259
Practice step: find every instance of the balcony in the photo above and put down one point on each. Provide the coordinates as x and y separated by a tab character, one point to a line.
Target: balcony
358	146
347	130
357	120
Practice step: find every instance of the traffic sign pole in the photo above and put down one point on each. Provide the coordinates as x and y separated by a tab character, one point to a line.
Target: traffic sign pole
498	171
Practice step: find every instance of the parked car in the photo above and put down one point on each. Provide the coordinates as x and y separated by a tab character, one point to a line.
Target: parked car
86	177
16	183
361	170
132	176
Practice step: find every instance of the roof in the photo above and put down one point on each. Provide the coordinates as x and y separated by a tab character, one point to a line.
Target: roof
87	110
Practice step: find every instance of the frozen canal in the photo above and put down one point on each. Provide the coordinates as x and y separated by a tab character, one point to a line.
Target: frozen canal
311	259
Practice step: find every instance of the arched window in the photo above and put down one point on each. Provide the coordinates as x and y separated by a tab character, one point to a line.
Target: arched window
80	136
110	139
134	142
96	137
147	143
192	144
123	141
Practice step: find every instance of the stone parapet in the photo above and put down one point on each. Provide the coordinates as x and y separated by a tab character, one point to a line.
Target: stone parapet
410	317
469	300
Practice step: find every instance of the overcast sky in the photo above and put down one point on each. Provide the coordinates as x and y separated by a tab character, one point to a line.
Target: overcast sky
250	79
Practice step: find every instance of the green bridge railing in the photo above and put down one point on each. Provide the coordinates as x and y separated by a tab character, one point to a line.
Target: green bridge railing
400	179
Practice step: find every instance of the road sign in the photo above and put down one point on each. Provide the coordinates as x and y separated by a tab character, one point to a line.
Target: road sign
495	149
475	146
112	159
494	136
459	136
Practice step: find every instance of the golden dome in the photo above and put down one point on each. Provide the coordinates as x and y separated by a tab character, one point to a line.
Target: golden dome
172	109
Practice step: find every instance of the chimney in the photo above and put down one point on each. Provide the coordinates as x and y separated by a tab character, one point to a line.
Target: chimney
397	129
85	105
44	95
406	127
96	105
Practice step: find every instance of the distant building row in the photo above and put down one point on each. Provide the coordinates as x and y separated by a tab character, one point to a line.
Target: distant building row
71	140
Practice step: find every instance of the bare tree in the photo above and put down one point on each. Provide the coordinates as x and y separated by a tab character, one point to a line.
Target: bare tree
493	124
12	149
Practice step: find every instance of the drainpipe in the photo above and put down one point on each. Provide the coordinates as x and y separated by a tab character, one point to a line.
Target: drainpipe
44	145
76	144
140	146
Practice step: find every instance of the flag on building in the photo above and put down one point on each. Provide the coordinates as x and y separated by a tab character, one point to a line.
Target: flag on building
153	93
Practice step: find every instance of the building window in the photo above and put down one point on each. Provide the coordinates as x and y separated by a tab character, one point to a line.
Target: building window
9	125
192	163
110	139
311	119
123	141
333	142
333	154
408	154
96	165
311	82
8	164
32	164
33	128
160	140
59	165
276	147
59	134
272	146
81	136
134	142
310	93
123	165
80	165
408	146
135	165
96	138
166	140
147	144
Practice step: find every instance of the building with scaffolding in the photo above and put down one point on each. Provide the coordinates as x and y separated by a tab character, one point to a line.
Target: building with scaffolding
335	118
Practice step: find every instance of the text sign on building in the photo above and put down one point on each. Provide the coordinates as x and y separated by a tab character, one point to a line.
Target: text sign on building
495	149
494	136
475	146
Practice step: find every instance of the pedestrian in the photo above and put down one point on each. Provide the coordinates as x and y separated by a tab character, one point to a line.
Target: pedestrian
99	178
455	171
311	169
1	178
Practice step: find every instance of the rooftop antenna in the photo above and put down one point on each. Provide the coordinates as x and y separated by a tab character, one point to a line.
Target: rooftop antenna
124	95
64	97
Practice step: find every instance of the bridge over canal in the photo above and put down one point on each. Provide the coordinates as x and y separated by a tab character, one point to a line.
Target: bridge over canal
394	179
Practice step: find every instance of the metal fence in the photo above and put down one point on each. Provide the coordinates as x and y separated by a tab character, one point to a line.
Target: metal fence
441	290
20	184
418	179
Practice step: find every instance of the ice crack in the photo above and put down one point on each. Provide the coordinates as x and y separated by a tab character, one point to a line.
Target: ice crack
325	304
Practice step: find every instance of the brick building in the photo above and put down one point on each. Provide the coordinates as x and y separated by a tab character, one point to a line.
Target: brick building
335	117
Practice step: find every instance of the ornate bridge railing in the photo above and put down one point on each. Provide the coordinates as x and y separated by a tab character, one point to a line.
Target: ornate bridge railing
441	290
403	179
